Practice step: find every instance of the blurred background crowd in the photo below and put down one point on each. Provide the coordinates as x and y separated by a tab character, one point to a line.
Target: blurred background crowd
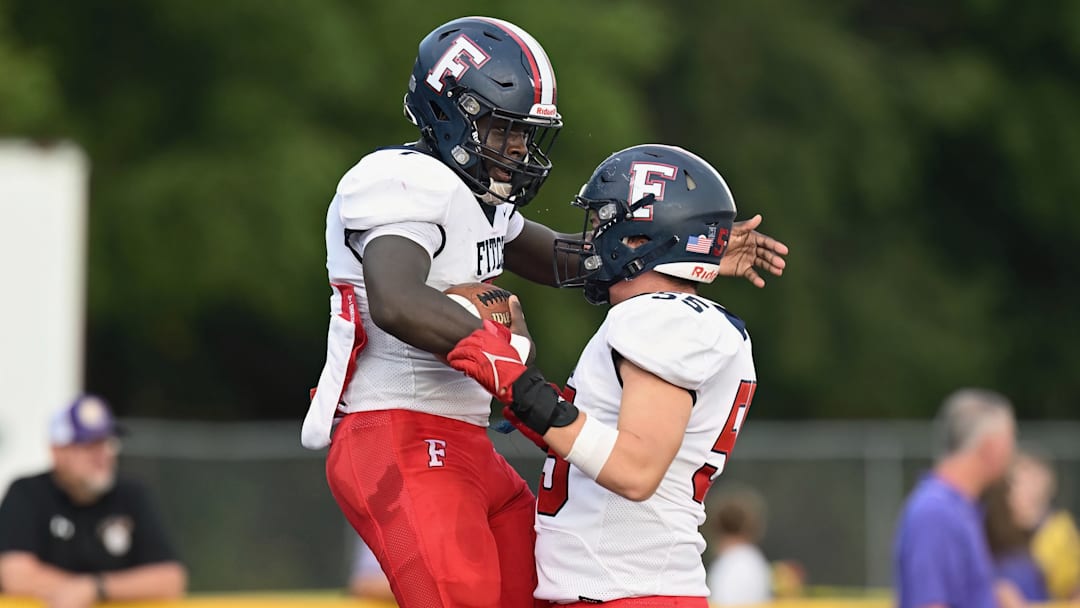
918	157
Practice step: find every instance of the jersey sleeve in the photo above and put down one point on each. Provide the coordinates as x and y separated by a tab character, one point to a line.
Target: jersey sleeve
150	543
429	236
683	343
392	186
515	226
18	528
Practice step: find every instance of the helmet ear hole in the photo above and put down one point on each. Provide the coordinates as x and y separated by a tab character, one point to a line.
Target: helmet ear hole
437	111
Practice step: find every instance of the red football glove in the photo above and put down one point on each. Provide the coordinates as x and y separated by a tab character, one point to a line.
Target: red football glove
486	356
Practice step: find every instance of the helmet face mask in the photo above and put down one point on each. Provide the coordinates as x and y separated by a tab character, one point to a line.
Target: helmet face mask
510	149
607	251
649	207
482	93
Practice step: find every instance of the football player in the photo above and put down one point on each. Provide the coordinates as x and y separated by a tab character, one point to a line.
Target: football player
657	398
410	463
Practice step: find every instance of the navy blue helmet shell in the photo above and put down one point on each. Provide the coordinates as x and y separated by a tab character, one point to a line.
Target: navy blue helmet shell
475	68
648	207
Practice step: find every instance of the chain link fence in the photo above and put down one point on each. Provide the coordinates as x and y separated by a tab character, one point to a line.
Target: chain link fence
250	509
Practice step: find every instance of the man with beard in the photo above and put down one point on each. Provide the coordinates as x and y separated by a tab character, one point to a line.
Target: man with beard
76	535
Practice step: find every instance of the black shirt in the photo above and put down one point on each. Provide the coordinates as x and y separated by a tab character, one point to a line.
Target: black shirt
119	531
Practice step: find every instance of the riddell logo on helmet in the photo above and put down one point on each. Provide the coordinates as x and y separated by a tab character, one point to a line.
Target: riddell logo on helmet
542	109
702	273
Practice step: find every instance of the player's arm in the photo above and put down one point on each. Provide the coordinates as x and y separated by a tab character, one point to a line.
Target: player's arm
530	254
629	460
403	305
653	416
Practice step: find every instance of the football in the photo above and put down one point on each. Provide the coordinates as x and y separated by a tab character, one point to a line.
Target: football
483	300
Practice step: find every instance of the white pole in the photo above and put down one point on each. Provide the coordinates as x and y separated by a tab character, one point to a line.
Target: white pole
43	205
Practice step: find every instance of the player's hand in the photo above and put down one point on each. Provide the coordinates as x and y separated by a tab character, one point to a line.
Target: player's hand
486	356
749	250
530	434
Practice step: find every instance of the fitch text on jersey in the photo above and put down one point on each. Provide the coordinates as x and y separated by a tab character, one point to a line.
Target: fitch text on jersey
489	256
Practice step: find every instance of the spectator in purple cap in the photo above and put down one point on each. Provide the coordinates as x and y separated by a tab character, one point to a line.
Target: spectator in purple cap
77	535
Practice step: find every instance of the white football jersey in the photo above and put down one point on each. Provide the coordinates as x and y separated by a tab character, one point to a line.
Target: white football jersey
593	544
403	192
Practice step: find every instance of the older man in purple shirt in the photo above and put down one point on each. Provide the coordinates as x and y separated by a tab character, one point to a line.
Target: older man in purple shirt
941	556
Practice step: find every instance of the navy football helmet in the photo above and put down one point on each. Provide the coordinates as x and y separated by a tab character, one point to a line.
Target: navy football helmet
478	85
667	195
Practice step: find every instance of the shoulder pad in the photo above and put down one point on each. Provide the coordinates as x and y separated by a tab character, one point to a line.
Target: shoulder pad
681	338
395	185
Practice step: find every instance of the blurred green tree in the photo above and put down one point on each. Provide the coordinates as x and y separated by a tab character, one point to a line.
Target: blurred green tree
29	96
919	159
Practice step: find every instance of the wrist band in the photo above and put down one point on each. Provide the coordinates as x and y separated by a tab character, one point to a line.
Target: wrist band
522	345
593	447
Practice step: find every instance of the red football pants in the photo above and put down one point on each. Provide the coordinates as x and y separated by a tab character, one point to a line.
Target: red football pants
449	520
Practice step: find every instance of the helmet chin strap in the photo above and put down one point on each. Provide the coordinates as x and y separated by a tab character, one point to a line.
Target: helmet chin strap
496	189
638	265
597	292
